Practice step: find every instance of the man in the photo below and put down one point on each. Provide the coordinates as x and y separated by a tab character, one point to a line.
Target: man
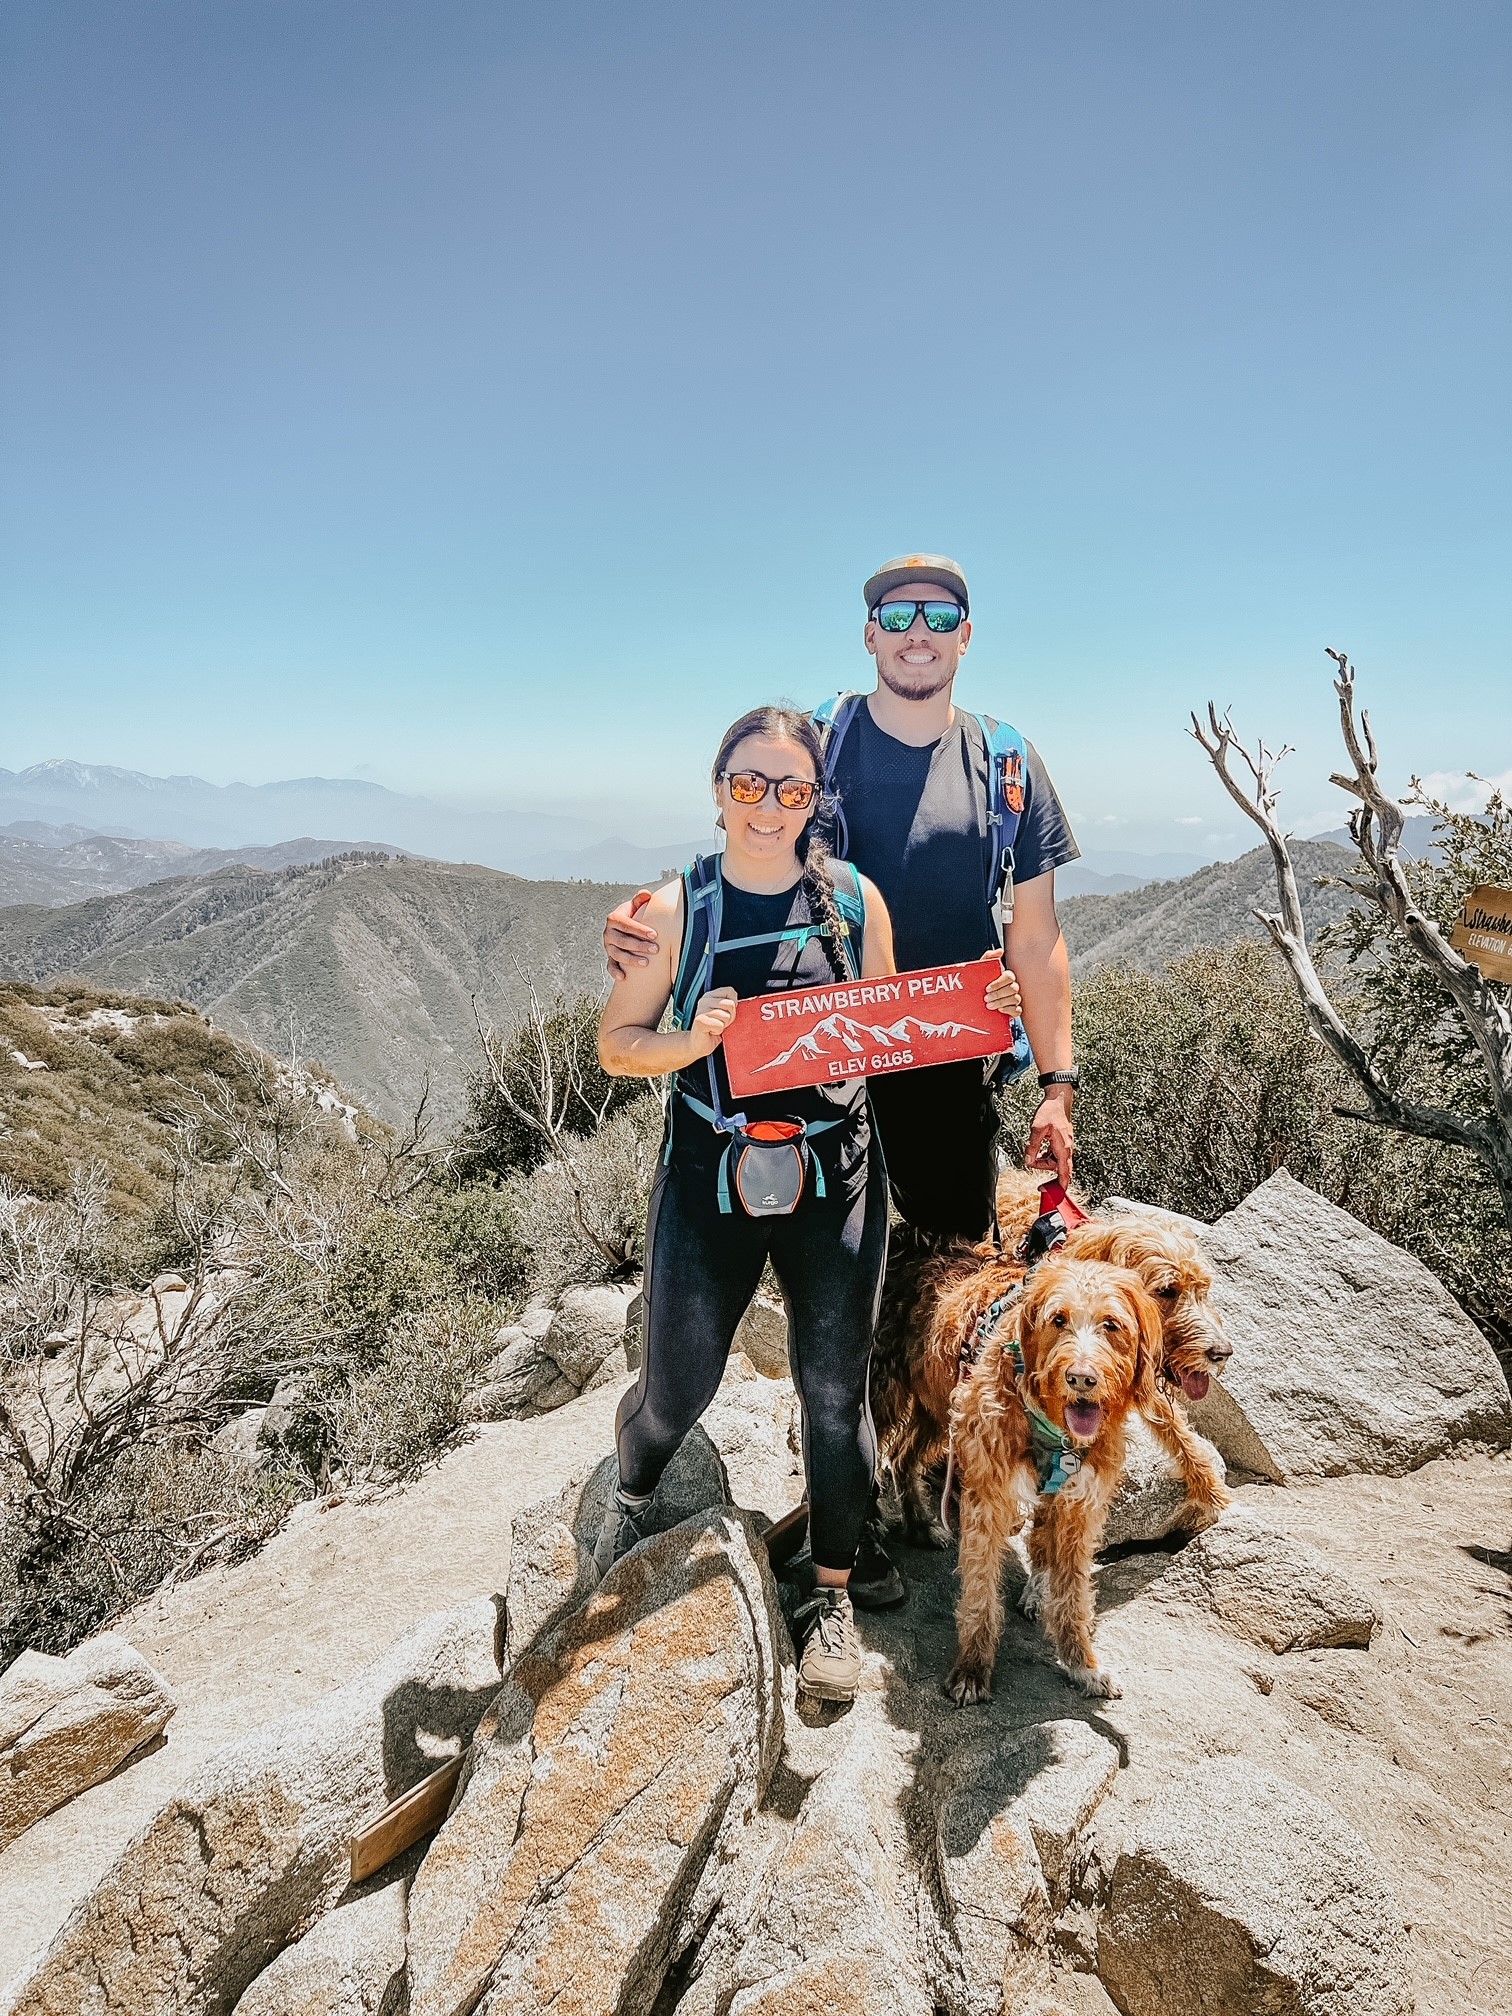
910	773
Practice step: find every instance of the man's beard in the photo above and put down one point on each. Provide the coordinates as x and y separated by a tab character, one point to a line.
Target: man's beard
910	685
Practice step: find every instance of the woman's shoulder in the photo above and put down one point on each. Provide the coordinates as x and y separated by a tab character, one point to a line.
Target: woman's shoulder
665	904
849	878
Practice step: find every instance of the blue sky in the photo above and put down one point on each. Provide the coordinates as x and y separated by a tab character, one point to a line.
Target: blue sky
493	400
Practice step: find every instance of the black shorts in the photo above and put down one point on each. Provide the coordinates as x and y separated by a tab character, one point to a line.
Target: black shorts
938	1129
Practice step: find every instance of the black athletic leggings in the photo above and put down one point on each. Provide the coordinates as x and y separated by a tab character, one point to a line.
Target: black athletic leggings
702	1267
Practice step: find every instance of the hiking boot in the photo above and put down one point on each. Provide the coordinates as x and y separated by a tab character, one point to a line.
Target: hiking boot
830	1668
876	1581
627	1521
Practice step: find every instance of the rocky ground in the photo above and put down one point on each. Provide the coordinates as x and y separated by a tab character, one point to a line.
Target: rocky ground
1301	1803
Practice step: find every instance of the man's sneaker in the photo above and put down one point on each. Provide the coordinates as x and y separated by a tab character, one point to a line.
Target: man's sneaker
627	1521
830	1668
876	1581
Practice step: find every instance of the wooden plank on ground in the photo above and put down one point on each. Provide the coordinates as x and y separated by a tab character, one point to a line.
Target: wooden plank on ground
412	1816
785	1538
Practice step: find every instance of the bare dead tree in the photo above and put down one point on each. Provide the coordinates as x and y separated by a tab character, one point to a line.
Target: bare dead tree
1375	827
554	1092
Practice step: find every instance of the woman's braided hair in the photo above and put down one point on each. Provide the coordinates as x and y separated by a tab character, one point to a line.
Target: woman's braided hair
788	724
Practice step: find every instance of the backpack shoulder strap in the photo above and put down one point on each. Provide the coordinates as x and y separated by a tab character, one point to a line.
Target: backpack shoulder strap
703	905
851	904
1006	772
833	717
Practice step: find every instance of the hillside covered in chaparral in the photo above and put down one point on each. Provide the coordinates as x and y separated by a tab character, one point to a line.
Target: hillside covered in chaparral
370	964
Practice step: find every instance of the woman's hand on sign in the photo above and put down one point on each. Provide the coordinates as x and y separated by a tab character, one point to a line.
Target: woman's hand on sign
1003	994
713	1015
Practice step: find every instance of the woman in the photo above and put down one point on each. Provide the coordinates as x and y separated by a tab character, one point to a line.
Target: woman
783	919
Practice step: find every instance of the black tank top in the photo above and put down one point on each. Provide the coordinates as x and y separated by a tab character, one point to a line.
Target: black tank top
771	969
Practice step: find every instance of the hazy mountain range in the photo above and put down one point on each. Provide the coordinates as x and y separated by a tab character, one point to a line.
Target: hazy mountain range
128	804
55	807
54	865
1147	927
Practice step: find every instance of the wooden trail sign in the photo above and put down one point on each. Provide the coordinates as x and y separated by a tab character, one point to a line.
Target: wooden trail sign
1483	934
861	1028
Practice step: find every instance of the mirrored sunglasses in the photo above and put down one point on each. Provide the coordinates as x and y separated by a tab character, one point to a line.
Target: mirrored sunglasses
749	787
942	617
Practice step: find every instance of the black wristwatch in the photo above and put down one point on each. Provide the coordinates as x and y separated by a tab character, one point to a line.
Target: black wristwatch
1071	1078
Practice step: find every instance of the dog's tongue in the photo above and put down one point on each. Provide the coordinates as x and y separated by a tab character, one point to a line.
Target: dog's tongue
1082	1418
1195	1385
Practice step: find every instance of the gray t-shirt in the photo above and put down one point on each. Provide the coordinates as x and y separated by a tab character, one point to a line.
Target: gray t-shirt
914	820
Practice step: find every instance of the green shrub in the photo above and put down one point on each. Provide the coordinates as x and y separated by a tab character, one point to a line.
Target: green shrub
162	1502
407	1404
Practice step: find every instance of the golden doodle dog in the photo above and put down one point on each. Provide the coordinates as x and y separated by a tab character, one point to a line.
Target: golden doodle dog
1038	1430
933	1297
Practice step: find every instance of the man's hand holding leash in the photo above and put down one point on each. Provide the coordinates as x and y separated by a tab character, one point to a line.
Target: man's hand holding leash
1052	1137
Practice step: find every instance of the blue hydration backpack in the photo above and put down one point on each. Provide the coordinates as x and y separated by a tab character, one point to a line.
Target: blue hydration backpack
1006	775
703	912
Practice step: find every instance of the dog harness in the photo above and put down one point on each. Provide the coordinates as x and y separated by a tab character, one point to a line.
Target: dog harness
1056	1456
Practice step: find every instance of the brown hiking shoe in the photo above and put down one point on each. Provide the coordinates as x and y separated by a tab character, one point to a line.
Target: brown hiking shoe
830	1666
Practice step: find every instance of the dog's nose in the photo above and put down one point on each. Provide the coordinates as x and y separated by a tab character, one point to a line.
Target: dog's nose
1082	1379
1220	1351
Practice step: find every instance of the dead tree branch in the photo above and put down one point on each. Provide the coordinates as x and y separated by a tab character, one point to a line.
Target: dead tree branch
1376	829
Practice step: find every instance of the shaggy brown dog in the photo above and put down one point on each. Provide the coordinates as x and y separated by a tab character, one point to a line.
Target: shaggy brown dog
931	1301
1062	1371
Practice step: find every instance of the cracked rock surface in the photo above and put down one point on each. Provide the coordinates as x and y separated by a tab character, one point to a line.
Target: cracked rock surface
627	1752
1299	1806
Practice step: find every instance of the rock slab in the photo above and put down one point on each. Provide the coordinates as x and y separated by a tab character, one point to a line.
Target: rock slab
1349	1355
829	1927
552	1355
1238	1891
624	1758
214	1885
763	1336
1151	1499
350	1963
66	1724
551	1542
1270	1588
1007	1818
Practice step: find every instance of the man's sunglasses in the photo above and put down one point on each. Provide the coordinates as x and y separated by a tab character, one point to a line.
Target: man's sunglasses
749	787
942	617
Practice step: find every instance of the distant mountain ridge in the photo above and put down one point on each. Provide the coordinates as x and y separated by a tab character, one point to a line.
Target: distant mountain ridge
371	964
104	799
131	804
1146	928
55	865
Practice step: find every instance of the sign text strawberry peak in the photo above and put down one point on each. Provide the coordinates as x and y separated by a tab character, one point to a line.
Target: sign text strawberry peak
858	1029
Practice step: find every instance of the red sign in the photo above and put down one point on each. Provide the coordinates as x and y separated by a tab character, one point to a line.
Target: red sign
861	1028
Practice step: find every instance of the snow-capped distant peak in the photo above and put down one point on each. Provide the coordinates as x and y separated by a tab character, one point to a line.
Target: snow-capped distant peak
102	777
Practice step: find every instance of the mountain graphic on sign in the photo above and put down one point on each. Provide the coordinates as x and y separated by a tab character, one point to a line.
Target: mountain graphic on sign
839	1035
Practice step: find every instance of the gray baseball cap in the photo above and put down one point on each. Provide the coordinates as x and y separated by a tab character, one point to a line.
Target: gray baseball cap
931	567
